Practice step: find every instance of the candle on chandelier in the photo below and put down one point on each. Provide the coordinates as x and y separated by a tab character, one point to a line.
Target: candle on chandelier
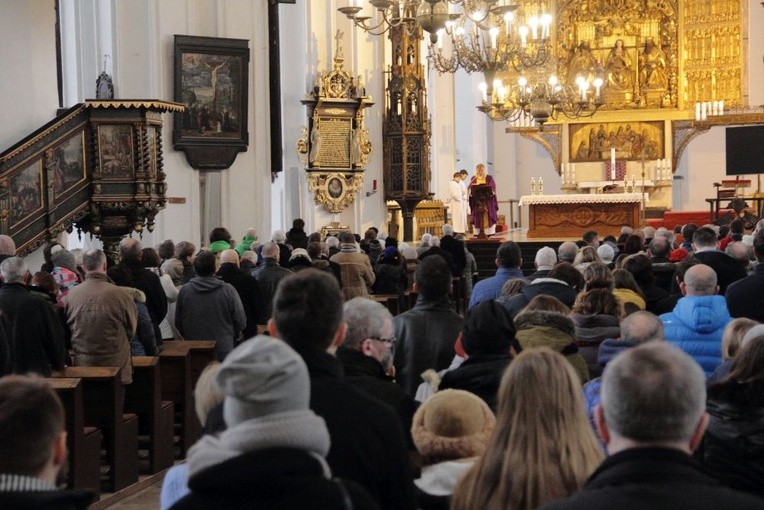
697	111
494	32
508	23
523	31
612	164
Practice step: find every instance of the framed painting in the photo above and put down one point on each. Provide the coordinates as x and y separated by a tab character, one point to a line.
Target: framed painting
68	164
631	141
115	151
211	81
26	192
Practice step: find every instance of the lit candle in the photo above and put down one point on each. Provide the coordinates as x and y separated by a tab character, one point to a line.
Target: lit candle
703	111
494	32
612	163
534	23
508	23
572	172
721	107
523	31
697	110
484	90
584	88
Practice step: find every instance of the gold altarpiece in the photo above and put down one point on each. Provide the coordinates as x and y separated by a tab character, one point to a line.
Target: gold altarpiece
658	59
335	146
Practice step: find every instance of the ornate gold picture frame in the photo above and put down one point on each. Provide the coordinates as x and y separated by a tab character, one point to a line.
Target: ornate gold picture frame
631	140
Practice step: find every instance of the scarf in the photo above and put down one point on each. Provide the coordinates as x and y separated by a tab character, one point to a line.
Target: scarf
303	430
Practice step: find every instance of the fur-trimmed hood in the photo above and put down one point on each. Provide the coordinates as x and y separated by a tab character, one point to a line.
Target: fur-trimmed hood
540	318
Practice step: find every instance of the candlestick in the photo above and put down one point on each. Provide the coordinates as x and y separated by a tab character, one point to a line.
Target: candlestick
541	185
533	186
612	164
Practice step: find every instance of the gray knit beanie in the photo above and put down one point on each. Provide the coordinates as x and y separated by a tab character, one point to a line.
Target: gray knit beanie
262	376
63	258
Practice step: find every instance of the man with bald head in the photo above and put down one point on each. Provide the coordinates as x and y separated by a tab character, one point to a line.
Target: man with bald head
246	287
566	252
699	318
130	252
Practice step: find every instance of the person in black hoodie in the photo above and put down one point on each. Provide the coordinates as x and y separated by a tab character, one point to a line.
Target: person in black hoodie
33	447
734	442
488	338
296	237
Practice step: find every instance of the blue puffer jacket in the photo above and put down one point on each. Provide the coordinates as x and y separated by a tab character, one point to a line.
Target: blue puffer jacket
696	326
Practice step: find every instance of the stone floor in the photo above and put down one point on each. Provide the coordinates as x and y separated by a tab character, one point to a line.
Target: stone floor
147	499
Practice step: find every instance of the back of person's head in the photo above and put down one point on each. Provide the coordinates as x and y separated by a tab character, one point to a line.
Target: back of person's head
425	241
704	239
586	255
205	263
546	303
564	271
688	231
7	245
271	251
598	276
332	242
755	332
737	226
598	302
513	286
623	279
44	281
434	241
433	278
589	236
130	249
93	260
653	394
740	252
633	244
365	318
448	230
540	421
166	249
150	257
14	270
566	252
298	224
758	246
307	309
184	250
700	280
315	250
121	276
546	258
509	255
220	234
649	232
279	236
748	364
640	268
732	338
260	378
606	253
31	421
207	393
452	425
61	257
641	327
347	238
660	247
489	329
229	257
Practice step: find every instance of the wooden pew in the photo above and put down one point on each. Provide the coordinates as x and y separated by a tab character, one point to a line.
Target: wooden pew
175	374
84	443
144	398
389	300
200	352
104	397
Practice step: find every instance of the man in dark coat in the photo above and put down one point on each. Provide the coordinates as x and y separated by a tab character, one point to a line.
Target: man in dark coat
435	249
145	280
548	286
33	447
426	333
367	358
488	339
248	289
269	274
663	269
367	442
728	270
745	297
455	248
650	434
35	335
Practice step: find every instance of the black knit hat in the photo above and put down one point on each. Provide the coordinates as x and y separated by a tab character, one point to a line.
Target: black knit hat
489	329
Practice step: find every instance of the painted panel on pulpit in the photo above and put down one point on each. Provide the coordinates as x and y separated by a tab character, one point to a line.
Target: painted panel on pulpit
631	141
26	192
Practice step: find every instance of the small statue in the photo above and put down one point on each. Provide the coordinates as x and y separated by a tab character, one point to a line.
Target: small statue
315	143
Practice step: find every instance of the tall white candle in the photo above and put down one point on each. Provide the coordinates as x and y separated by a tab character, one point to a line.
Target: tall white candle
612	164
697	110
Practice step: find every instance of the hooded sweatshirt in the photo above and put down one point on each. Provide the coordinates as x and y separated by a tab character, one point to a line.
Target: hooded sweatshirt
210	309
696	326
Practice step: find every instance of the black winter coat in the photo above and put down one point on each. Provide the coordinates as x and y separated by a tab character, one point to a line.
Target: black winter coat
744	297
733	447
272	479
251	296
558	289
148	282
728	270
479	374
48	500
367	439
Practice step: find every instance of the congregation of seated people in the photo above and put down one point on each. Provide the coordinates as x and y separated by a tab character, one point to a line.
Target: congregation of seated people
357	371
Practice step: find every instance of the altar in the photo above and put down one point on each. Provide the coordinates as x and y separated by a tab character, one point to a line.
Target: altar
572	215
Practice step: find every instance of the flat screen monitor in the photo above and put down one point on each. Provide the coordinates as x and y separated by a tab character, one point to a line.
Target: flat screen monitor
745	150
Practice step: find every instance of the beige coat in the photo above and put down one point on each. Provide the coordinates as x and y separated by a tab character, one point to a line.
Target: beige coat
102	318
356	273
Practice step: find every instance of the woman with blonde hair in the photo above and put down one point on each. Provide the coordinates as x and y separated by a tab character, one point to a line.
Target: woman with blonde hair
598	276
732	340
628	292
543	447
586	256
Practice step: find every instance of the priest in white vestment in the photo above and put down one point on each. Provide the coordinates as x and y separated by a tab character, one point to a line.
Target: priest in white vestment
456	197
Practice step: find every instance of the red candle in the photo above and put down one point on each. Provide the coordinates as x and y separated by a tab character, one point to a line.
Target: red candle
374	185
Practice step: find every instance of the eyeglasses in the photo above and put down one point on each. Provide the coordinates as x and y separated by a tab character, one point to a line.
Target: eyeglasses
390	340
